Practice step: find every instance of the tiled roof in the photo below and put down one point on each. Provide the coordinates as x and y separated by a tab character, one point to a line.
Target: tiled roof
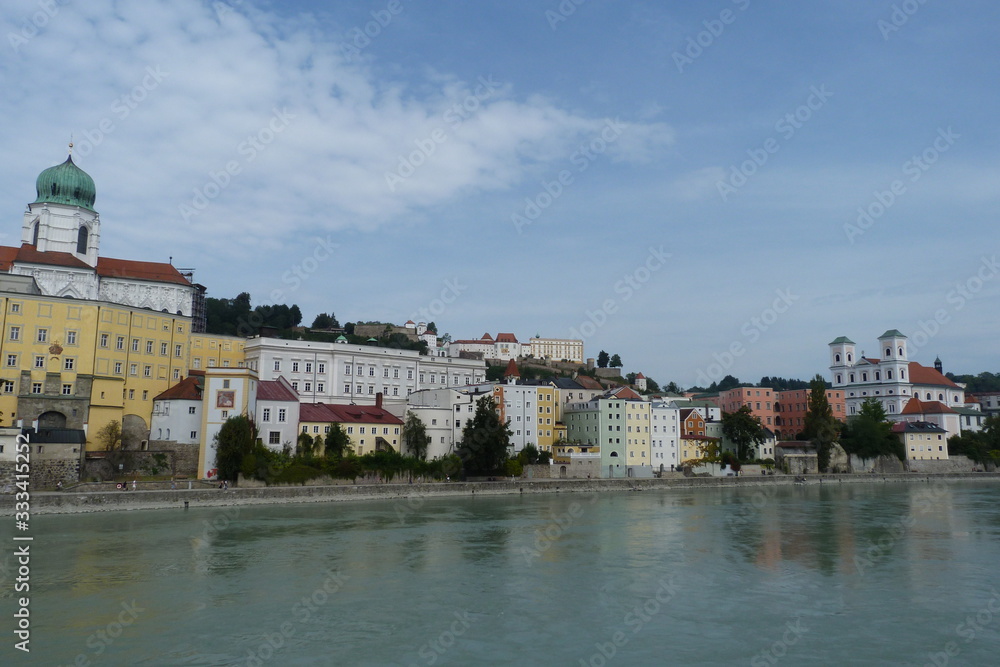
842	339
188	389
915	406
276	390
892	333
588	382
506	338
158	272
511	370
926	375
917	427
364	414
29	254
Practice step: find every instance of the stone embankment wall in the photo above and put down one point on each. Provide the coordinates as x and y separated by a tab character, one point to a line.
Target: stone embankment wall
65	503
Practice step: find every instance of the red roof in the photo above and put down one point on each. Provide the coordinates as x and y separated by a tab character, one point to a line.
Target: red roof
276	390
915	406
188	389
626	394
106	266
511	370
29	254
926	375
640	376
487	336
347	414
588	382
158	272
506	338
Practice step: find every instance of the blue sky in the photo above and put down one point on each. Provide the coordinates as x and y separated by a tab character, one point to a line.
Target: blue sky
678	183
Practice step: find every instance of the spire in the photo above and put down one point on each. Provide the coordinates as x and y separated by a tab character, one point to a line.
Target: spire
511	371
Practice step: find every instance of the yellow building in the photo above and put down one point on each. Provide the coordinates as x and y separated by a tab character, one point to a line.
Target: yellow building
86	339
549	429
637	417
370	428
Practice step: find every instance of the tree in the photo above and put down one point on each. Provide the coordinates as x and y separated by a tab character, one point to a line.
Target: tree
485	440
821	428
415	435
743	429
616	361
110	436
652	386
234	441
872	407
325	321
869	434
432	327
630	378
337	442
673	388
602	359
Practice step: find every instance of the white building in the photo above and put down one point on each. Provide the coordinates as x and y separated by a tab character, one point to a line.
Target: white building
277	413
342	373
228	392
177	412
665	436
444	413
556	349
889	377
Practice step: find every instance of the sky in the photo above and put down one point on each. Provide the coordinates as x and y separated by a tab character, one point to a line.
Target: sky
704	188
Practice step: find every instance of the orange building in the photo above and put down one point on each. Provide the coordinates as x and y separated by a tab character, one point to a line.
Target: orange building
792	405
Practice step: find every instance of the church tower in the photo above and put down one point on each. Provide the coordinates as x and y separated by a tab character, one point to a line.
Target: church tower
62	217
841	359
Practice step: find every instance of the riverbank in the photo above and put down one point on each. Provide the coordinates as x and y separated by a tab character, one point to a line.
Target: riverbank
74	503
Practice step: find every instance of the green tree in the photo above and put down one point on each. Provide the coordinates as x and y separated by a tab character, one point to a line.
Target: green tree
673	388
616	361
652	386
743	429
110	436
485	440
872	407
602	359
234	441
325	321
338	443
630	378
821	427
415	436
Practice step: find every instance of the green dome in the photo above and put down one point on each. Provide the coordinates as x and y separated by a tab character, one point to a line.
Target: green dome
66	184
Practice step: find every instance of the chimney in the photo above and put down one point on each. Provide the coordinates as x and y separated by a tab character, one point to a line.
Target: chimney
378	400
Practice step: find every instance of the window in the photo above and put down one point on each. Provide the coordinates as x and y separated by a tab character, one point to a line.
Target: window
347	388
225	384
281	415
192	409
321	367
36	387
149	347
69	363
295	385
266	415
147	371
15	308
371	371
15	333
120	343
131	394
39	361
145	395
177	350
361	370
194	435
308	367
385	372
277	364
135	344
163	349
118	368
409	374
12	360
347	369
308	386
274	437
104	340
295	367
71	338
320	387
43	336
8	386
225	414
177	374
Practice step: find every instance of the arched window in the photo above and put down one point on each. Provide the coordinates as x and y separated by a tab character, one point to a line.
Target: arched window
34	234
81	241
848	358
900	351
837	358
888	352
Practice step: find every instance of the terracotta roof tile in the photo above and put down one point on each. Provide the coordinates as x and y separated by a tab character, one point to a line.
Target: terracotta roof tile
158	272
926	375
188	389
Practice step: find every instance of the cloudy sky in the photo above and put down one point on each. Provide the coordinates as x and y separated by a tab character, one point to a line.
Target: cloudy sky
704	188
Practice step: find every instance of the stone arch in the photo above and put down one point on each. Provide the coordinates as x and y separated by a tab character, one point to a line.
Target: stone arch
562	472
51	419
134	431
